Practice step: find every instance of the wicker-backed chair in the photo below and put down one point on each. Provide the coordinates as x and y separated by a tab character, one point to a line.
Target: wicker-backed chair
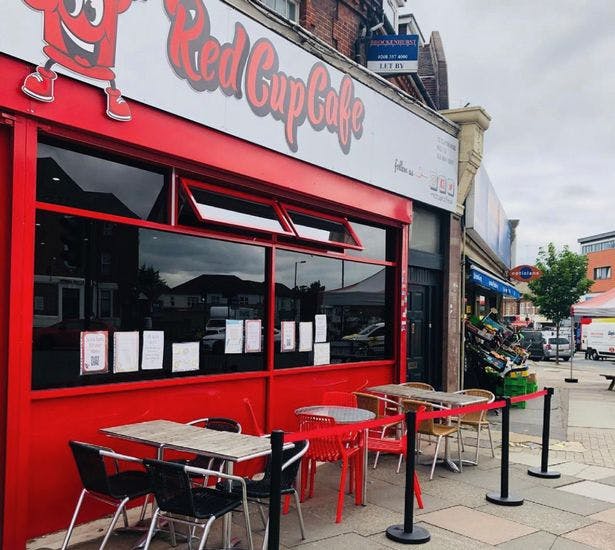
431	428
102	480
477	420
179	501
419	385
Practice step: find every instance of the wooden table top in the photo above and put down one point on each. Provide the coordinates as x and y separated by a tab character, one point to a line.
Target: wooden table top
446	398
235	447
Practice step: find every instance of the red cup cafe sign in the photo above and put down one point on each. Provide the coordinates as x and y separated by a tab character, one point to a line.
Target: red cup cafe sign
211	64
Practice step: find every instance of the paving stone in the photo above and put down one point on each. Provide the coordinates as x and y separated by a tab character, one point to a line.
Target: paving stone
598	535
591	489
608	481
441	539
530	459
585	471
540	517
346	541
557	498
538	540
486	528
456	492
608	516
566	544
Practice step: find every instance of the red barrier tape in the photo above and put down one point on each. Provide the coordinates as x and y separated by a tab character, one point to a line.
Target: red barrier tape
343	429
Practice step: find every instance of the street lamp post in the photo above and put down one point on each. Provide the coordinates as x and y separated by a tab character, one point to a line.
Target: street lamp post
296	264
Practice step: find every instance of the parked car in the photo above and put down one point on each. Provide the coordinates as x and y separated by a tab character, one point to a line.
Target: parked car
542	345
551	345
371	336
65	334
533	341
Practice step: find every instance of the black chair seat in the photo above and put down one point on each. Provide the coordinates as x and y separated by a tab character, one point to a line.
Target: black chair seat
211	502
255	488
130	483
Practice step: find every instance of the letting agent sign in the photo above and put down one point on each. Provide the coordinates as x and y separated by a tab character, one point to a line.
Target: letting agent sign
393	54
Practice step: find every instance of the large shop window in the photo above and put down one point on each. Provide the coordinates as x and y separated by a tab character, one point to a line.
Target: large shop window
180	286
139	299
354	298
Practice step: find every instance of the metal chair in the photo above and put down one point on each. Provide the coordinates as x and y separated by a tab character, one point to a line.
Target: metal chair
331	449
219	424
429	427
179	501
259	489
477	420
115	489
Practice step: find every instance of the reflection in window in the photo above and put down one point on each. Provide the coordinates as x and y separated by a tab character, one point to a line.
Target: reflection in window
83	180
153	281
352	295
321	229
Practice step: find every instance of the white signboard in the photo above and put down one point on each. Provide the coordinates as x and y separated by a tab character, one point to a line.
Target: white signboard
185	357
233	336
125	351
306	335
153	349
320	328
287	336
322	354
94	351
213	65
253	335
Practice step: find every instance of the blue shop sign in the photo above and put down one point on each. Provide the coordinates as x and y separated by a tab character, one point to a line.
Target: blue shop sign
393	54
481	278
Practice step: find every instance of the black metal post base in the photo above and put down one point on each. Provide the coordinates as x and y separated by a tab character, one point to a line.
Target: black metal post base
571	380
510	500
419	535
537	472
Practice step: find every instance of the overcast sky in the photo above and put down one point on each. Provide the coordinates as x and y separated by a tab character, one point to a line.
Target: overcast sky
545	72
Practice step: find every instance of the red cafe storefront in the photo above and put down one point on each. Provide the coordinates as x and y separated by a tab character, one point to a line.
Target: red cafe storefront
202	177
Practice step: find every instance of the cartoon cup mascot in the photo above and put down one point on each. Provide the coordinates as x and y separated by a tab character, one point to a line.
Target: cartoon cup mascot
81	36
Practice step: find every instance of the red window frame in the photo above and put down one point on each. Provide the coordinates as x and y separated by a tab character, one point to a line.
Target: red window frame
186	183
337	219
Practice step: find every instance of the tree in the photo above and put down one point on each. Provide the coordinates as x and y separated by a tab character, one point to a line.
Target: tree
151	285
561	284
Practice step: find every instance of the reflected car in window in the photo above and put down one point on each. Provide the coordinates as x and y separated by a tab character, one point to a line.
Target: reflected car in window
369	340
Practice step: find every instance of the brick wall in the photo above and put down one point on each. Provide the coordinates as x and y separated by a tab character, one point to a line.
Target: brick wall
604	258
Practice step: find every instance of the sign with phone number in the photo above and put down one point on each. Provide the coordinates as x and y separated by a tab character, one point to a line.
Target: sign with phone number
393	54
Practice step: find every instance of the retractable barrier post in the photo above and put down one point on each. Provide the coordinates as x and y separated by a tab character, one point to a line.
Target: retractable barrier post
546	426
275	496
503	498
408	533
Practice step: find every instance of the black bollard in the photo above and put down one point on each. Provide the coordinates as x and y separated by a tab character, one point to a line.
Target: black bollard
275	496
546	427
504	499
408	533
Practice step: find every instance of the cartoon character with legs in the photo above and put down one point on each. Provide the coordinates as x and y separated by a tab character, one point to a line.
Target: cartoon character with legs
81	36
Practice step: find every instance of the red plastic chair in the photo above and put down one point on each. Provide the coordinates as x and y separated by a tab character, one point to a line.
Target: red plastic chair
330	449
341	398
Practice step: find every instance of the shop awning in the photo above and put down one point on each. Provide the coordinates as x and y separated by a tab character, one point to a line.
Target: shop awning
482	278
602	305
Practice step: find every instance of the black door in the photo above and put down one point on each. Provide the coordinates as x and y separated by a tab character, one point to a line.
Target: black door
70	303
418	368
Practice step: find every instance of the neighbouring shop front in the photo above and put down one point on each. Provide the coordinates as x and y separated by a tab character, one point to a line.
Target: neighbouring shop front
233	223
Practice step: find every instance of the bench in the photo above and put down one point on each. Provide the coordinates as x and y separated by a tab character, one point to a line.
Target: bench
610	377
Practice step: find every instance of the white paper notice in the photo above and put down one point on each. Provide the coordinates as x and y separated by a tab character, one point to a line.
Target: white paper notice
320	328
253	335
233	337
153	349
322	354
125	351
185	357
287	336
306	335
94	352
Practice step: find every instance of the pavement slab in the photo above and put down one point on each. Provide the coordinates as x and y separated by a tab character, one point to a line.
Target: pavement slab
530	459
608	516
456	492
541	539
481	526
585	471
557	498
599	535
540	517
441	539
591	489
346	541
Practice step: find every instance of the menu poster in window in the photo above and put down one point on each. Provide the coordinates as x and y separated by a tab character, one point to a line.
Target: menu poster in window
306	335
185	357
320	328
125	351
322	354
94	351
233	337
287	336
153	349
253	333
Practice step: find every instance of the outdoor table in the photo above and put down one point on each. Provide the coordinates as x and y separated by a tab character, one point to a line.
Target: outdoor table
451	399
345	415
165	434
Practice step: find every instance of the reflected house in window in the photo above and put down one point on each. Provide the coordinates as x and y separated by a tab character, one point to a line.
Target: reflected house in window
83	269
